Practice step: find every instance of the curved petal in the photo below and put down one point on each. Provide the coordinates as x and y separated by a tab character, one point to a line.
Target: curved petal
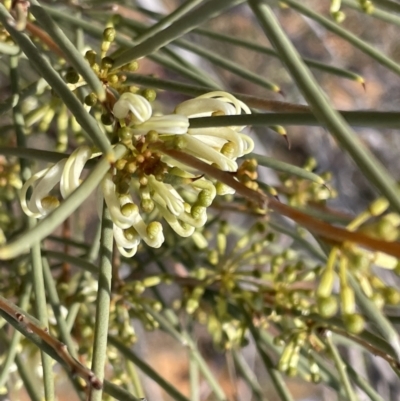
22	195
139	106
197	148
203	107
174	223
166	195
44	186
73	169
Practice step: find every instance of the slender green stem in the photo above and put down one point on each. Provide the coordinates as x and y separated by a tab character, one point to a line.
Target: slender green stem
41	312
340	367
247	44
36	263
56	306
73	260
24	371
15	340
346	35
216	59
382	324
51	221
388	5
32	89
355	118
248	375
204	369
176	29
363	384
285	167
135	379
276	376
194	378
42	65
102	302
71	53
184	338
147	369
167	20
118	392
366	161
392	18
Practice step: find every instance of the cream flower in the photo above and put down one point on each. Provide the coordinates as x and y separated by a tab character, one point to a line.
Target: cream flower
40	204
172	124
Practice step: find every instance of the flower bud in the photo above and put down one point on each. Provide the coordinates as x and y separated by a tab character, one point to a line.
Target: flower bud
91	99
354	323
149	94
378	206
327	306
151	281
326	283
347	300
147	205
91	57
109	34
129	209
391	295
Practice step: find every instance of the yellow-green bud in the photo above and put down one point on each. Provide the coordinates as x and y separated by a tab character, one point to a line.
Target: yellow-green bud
130	233
125	134
72	77
213	257
228	149
197	211
91	99
348	300
339	16
152	136
109	34
50	202
149	94
391	295
204	198
378	299
112	78
326	283
132	66
147	205
327	306
180	142
191	305
138	287
153	229
91	57
107	119
107	62
379	206
128	209
151	281
354	323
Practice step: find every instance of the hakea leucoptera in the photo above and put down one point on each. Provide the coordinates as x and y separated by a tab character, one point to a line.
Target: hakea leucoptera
162	184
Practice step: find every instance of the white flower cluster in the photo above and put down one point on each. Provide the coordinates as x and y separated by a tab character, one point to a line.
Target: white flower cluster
213	145
221	146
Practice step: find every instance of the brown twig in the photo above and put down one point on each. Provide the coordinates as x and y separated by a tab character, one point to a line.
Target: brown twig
31	326
318	227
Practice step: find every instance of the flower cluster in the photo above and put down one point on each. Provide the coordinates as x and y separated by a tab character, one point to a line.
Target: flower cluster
145	179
